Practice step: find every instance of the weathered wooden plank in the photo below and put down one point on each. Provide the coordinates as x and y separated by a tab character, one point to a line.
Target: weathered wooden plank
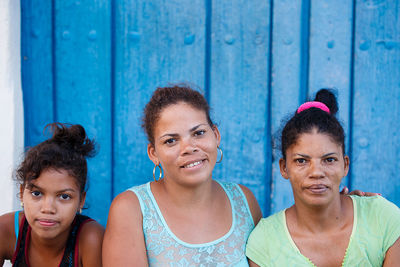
83	86
239	92
223	47
331	54
285	88
155	43
376	113
37	78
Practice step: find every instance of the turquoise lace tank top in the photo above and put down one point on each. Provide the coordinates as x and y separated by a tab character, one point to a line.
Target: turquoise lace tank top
166	249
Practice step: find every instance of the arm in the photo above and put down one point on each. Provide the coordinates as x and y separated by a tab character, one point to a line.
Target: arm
90	241
253	204
124	243
392	257
7	237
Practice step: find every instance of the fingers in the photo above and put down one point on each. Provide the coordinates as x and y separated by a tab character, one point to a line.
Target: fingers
345	190
366	194
370	194
357	193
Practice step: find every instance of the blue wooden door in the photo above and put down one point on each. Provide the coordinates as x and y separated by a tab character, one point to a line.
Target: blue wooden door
97	62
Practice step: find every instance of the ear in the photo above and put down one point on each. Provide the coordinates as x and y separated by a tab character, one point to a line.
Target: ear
283	169
83	198
21	193
151	152
217	134
346	165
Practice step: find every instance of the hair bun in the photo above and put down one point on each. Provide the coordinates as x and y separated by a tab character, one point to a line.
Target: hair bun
72	137
327	97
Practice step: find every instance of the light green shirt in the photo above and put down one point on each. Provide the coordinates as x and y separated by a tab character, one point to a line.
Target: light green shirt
376	226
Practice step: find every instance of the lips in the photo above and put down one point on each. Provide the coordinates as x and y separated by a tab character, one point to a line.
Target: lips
192	164
47	222
317	188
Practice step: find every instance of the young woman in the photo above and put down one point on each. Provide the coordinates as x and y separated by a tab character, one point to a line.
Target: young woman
186	218
323	227
49	231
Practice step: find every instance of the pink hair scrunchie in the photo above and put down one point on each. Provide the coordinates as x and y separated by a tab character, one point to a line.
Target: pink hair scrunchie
313	104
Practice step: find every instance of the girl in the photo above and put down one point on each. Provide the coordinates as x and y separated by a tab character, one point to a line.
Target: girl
323	227
49	231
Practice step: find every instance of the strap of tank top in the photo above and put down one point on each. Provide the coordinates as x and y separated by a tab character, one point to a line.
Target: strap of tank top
76	250
16	225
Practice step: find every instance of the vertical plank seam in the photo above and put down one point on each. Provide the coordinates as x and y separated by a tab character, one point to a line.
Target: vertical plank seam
207	65
351	111
53	59
304	49
268	208
24	67
112	96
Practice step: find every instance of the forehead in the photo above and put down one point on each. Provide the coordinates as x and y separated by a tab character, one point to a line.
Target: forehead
180	114
315	142
52	179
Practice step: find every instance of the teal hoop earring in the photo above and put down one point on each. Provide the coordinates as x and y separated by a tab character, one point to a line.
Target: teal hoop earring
154	173
222	154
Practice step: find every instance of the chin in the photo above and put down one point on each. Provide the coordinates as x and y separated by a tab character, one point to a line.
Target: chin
46	234
195	180
319	201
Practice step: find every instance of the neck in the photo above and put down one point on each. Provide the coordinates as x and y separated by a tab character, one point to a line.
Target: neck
322	218
54	246
187	196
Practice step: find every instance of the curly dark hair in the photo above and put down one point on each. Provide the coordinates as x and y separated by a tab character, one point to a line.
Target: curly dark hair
66	150
314	118
166	96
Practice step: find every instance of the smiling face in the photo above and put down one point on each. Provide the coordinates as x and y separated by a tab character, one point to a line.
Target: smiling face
315	166
185	144
51	202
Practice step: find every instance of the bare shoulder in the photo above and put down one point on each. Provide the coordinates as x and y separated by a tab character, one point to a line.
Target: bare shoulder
126	199
91	234
125	205
7	236
124	239
253	204
90	243
7	223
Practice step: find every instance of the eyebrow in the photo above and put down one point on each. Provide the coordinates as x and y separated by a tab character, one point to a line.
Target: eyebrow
323	156
175	134
31	186
196	127
329	154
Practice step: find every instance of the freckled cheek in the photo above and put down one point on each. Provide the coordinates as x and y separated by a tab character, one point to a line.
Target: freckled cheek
31	205
297	171
333	172
168	157
68	211
213	153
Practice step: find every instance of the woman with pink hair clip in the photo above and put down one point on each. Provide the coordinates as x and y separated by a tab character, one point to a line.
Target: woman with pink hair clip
323	227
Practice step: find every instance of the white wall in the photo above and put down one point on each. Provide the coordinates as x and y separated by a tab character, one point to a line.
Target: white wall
11	108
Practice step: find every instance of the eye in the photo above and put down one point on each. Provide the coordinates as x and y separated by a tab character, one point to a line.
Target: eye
330	160
300	160
65	196
170	141
199	132
36	193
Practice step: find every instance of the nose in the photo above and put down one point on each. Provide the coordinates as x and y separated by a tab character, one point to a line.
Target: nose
316	170
48	205
188	146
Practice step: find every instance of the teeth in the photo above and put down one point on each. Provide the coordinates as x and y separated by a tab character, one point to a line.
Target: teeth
193	164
